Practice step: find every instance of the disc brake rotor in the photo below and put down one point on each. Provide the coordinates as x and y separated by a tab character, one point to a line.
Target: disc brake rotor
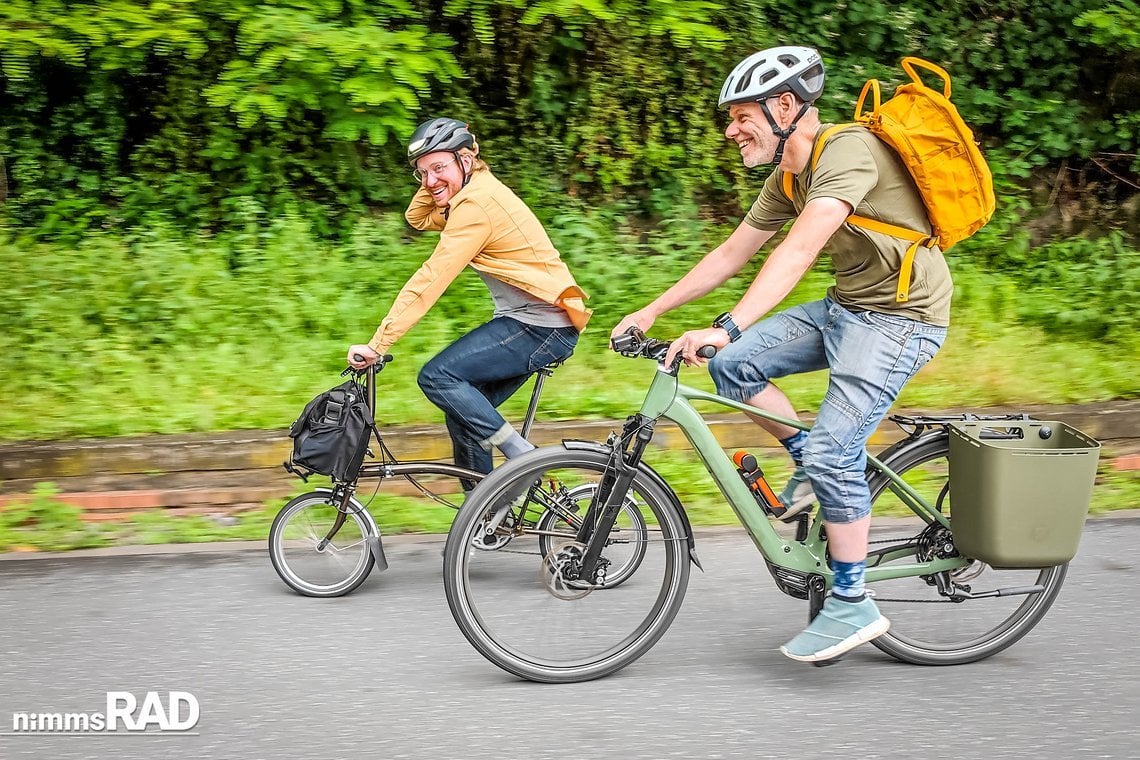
563	560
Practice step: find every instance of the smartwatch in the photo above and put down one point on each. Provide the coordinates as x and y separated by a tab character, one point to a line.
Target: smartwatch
724	321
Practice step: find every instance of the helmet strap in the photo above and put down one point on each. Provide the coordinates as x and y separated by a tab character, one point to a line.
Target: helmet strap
783	134
462	168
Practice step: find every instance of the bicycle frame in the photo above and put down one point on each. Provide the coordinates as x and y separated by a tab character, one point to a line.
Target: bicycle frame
399	469
667	398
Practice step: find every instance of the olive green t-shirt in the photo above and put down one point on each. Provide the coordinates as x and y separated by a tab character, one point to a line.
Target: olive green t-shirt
858	168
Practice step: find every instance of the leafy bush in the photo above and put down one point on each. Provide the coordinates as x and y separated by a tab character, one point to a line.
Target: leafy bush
208	114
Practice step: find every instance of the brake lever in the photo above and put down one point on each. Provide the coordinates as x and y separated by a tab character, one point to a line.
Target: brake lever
630	343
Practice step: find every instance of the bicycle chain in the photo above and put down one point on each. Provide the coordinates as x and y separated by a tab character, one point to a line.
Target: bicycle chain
909	601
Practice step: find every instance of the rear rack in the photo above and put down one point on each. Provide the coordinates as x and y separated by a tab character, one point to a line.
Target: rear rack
916	425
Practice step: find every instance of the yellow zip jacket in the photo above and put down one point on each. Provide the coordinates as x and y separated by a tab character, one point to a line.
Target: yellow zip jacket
488	227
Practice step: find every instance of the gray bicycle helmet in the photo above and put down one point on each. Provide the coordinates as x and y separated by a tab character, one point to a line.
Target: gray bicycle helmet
439	134
788	68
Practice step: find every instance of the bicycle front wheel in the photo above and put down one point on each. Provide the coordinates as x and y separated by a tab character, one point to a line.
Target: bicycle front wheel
523	606
310	560
625	548
927	628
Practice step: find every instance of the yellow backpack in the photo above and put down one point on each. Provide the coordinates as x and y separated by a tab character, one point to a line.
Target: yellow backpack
938	149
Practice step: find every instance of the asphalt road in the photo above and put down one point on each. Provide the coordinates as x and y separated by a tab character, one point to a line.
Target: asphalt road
384	673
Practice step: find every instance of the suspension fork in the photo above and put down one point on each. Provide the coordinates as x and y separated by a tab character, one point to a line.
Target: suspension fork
615	484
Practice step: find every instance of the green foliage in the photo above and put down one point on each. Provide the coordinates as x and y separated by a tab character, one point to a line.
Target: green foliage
360	67
123	111
219	180
1115	25
43	523
163	333
1105	273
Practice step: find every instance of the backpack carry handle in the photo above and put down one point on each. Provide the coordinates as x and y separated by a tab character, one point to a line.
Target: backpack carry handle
910	62
871	86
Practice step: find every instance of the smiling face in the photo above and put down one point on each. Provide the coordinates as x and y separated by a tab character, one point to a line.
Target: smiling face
442	174
752	133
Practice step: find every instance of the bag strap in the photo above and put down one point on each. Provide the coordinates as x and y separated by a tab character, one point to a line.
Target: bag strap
916	239
789	178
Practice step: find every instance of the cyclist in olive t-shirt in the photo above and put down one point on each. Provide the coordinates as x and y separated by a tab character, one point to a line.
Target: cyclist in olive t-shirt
871	342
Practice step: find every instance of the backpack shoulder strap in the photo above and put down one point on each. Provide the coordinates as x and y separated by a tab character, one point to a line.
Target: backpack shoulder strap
789	178
914	238
822	141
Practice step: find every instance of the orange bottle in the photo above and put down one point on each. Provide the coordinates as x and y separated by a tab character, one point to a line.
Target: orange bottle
753	477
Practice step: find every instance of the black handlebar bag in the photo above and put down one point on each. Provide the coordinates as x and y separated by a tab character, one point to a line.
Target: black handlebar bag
331	435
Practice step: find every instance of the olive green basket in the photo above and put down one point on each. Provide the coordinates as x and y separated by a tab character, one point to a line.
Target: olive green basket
1020	490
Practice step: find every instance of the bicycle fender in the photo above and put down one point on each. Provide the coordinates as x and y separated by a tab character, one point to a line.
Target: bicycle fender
578	445
889	455
375	544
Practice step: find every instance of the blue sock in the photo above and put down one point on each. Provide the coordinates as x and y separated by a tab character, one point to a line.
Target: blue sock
795	446
848	580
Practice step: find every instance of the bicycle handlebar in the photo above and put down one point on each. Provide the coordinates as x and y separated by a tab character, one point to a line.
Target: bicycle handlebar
634	343
378	364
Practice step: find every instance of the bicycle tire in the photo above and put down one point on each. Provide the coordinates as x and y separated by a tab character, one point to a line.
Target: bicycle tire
522	626
929	633
295	535
629	530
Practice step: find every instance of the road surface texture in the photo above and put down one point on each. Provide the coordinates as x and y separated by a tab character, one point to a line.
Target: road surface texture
385	673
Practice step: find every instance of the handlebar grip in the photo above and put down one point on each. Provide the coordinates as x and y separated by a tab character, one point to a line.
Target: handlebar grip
381	361
706	352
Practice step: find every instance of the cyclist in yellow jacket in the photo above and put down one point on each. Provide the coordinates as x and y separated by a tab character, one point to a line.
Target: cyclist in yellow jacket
539	308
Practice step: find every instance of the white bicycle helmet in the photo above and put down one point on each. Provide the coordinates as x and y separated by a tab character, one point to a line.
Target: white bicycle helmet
788	68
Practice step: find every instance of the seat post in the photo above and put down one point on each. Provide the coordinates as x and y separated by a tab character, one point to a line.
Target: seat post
539	379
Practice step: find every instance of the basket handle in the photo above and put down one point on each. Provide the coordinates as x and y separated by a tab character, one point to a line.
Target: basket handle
910	62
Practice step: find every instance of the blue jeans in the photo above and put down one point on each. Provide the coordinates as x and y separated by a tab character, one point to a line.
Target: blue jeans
871	356
481	370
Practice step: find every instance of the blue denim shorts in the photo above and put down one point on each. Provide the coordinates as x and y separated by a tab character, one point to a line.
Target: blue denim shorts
870	357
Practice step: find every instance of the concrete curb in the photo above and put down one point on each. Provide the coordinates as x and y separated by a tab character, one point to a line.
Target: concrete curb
220	473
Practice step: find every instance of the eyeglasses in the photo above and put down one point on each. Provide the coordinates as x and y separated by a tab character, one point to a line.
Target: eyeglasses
434	169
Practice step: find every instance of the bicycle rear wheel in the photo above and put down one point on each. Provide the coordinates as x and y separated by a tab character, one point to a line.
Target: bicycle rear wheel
307	562
926	627
524	611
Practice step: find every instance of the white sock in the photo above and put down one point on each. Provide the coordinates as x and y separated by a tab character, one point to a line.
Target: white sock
515	445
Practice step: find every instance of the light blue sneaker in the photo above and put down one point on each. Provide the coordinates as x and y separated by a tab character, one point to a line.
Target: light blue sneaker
839	627
797	495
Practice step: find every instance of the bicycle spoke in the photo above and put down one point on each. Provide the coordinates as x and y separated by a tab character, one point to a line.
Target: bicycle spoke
951	617
529	604
308	559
